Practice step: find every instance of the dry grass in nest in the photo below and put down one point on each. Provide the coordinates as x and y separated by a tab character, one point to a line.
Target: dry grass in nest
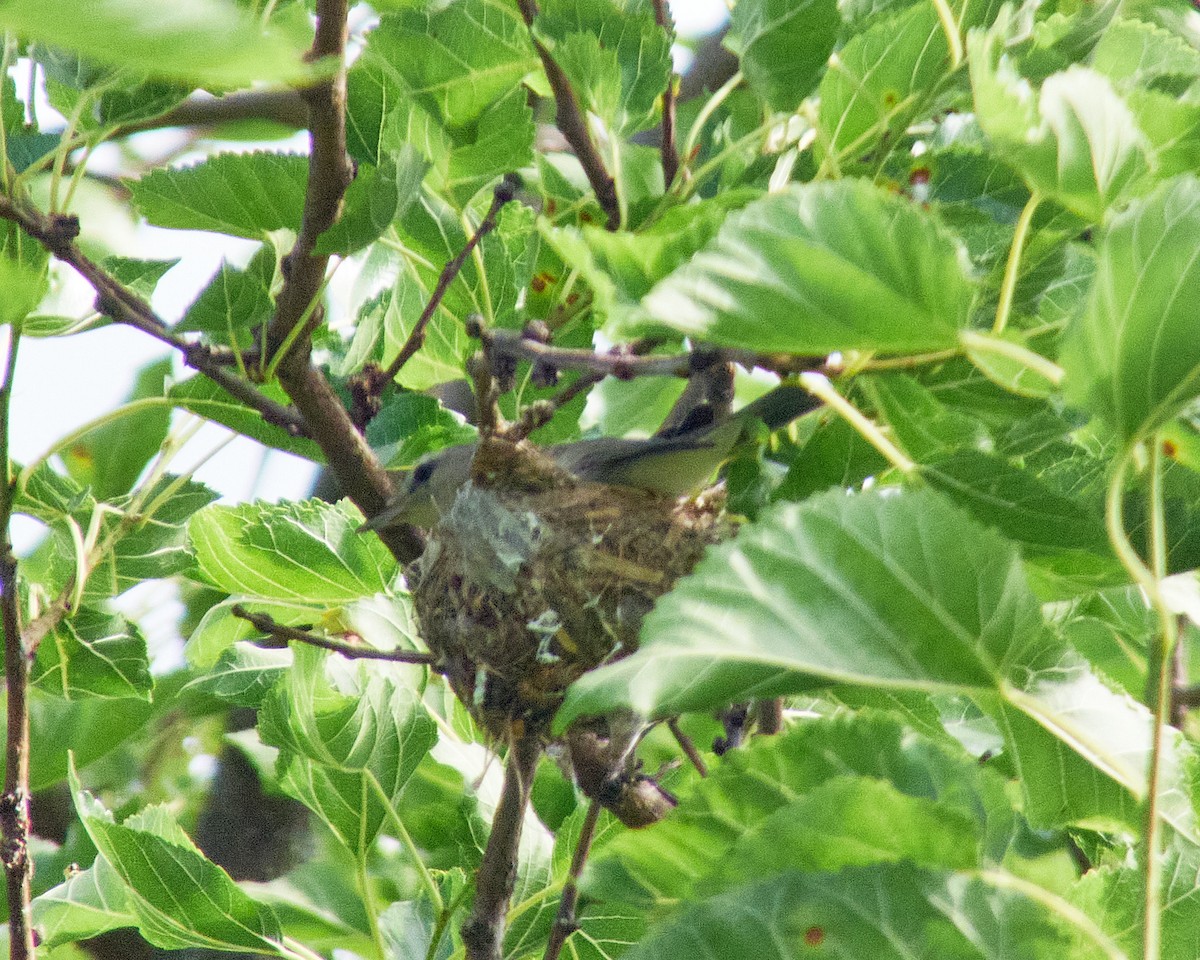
523	590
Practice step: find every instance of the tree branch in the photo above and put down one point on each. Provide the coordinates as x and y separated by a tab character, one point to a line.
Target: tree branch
282	632
286	107
357	469
118	303
483	930
564	922
572	124
668	150
624	365
14	803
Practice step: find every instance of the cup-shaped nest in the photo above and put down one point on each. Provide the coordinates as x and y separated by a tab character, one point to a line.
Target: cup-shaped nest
526	585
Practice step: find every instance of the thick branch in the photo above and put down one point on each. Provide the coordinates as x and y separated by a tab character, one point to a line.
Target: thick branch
483	930
358	471
285	107
14	803
284	633
57	234
572	124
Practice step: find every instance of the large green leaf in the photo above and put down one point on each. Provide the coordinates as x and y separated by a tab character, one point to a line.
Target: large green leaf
308	551
616	57
881	912
1077	141
210	42
461	58
822	267
349	744
94	654
1132	358
784	46
879	82
897	591
180	898
245	194
734	811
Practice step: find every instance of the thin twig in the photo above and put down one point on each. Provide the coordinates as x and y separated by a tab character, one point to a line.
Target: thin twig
624	364
118	303
688	748
670	154
565	922
503	193
285	107
572	124
280	631
483	930
14	804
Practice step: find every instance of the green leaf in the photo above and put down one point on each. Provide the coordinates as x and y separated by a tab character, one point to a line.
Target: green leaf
375	198
244	674
209	42
151	544
1077	142
351	735
180	898
879	912
616	57
699	847
460	59
412	425
819	268
90	729
23	288
305	551
94	654
1018	503
785	46
1132	358
234	301
110	458
219	630
901	591
1082	751
879	82
140	276
501	142
1115	897
244	194
206	399
87	904
850	822
1133	52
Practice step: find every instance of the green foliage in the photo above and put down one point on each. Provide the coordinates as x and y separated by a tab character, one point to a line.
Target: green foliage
972	225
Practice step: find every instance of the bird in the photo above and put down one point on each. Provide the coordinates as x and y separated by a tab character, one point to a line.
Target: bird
673	463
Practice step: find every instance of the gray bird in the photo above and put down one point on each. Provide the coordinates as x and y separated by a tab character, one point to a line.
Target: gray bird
672	464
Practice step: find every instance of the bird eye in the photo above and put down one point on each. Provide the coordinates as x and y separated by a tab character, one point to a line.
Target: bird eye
421	474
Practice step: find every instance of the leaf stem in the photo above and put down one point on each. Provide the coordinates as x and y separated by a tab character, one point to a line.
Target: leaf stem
705	114
986	343
1012	267
819	386
1162	645
364	887
950	28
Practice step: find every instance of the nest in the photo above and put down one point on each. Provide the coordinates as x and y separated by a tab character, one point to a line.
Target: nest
533	578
